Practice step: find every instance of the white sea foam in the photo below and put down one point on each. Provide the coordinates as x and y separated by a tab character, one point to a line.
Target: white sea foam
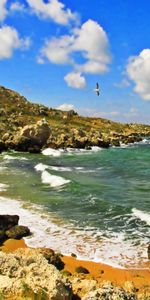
2	168
41	167
52	152
96	149
61	169
3	187
146	141
143	216
48	231
10	157
53	180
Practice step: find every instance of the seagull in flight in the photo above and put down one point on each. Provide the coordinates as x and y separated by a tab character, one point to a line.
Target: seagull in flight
97	89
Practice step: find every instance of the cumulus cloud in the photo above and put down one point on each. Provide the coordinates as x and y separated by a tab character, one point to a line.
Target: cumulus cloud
10	41
66	107
138	70
91	40
91	44
53	9
3	10
75	80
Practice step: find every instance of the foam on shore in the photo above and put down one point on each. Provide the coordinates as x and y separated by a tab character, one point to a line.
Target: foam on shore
3	187
143	216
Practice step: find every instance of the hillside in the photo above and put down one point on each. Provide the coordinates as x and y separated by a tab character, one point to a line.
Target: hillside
26	126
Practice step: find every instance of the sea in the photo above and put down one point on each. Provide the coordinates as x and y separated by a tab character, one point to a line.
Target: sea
92	203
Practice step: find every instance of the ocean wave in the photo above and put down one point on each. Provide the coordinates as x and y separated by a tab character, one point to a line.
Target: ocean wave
143	216
53	180
11	157
42	167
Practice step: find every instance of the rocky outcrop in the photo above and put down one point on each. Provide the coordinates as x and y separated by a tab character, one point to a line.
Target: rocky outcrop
9	228
32	137
27	274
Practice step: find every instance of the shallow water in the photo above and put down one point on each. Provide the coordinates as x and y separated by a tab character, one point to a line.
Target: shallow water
93	203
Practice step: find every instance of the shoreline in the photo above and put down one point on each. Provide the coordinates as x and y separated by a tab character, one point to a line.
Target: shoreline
140	278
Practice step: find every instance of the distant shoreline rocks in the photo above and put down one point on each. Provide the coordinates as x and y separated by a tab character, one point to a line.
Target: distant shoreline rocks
36	137
30	127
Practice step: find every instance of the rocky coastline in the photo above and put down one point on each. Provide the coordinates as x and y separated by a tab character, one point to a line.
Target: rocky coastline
26	126
43	274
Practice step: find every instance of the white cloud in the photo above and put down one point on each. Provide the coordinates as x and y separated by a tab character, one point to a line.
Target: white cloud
66	107
3	10
138	70
58	50
17	6
9	41
53	9
90	42
75	80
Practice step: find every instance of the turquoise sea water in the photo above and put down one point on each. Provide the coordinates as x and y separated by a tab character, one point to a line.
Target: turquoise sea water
93	203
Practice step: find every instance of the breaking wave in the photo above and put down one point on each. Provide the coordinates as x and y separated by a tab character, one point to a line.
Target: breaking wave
53	180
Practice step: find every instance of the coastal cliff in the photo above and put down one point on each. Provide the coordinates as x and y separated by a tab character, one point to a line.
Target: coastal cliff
26	126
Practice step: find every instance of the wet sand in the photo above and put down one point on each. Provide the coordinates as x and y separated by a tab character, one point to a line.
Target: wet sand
139	277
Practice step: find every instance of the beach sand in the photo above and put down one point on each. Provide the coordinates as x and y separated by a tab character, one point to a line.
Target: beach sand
101	272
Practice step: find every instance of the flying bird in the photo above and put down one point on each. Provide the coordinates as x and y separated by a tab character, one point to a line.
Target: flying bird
97	89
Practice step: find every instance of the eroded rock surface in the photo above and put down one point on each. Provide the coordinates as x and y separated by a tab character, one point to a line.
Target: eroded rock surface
28	274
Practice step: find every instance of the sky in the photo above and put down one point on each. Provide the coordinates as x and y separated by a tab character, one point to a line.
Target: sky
55	51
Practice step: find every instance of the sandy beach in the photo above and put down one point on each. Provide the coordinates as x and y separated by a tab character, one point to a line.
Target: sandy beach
140	278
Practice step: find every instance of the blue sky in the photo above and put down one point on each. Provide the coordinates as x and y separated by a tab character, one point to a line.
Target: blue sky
54	51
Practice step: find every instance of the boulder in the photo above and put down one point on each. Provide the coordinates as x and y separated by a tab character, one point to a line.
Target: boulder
32	137
8	221
82	270
17	232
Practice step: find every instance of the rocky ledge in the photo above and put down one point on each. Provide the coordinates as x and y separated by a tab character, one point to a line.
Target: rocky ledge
29	274
25	126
